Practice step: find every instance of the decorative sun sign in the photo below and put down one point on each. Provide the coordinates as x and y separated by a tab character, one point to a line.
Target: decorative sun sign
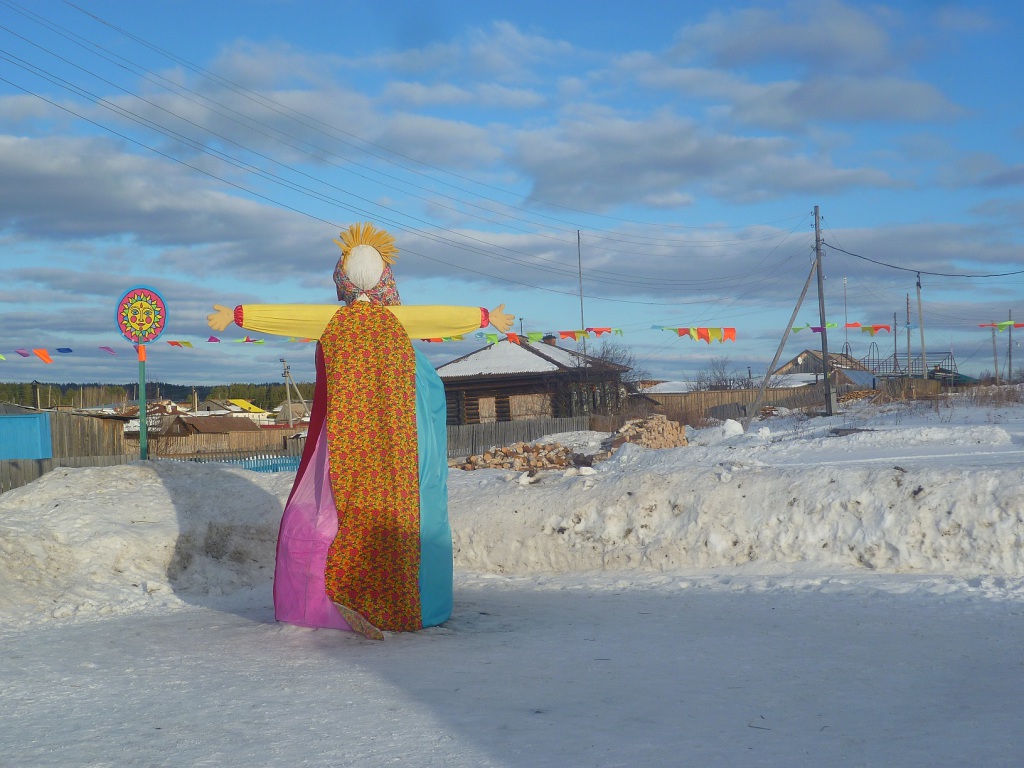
141	315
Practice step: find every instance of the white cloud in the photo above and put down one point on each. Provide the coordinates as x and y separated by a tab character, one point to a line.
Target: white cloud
822	35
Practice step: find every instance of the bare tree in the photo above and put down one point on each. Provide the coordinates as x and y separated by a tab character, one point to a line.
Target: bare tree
719	375
618	354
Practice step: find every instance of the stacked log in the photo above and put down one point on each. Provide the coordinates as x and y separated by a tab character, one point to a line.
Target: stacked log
524	457
653	432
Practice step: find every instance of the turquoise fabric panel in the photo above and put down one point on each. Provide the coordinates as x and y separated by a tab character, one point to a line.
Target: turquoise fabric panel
435	533
27	436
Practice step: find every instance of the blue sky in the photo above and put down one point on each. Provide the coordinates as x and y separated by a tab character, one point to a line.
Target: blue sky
213	150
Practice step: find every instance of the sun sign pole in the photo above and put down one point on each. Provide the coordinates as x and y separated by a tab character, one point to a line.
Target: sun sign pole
141	317
143	407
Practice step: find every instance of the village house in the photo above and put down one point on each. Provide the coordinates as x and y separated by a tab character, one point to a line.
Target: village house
505	381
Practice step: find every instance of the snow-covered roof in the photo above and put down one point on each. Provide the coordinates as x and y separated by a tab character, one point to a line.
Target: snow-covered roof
670	388
506	357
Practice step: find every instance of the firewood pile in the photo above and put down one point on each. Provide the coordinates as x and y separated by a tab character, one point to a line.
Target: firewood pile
653	432
524	457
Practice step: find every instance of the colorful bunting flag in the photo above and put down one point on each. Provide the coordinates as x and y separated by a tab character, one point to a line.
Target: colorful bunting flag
212	339
108	349
1002	325
64	350
513	337
23	352
43	355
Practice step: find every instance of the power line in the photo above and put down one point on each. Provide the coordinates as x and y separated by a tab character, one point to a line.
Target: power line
922	271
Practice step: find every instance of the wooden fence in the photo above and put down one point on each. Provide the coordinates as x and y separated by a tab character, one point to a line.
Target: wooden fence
730	403
275	440
15	473
75	435
469	439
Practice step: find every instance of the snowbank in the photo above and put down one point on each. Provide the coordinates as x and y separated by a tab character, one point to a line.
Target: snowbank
896	491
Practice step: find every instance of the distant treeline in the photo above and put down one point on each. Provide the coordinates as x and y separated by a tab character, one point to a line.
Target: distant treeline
52	394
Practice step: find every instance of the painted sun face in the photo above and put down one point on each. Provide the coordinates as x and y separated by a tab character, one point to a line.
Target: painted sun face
141	315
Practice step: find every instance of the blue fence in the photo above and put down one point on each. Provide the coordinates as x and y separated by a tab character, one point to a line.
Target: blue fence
266	463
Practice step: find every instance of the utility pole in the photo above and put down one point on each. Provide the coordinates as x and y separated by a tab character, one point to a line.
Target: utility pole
585	393
920	321
756	406
288	384
830	397
910	368
895	348
1009	349
995	354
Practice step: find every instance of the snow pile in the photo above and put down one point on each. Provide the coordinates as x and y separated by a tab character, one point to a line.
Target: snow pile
898	491
661	512
116	540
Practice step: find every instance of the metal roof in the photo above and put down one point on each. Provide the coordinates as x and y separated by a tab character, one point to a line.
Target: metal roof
508	358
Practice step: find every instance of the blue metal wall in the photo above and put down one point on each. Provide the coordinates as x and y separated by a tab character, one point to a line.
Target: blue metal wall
25	437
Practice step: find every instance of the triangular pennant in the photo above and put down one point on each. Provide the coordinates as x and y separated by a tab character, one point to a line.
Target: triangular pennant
817	328
852	325
492	337
187	344
174	343
682	331
704	334
870	330
881	327
513	337
213	339
2	357
535	336
65	350
694	333
43	355
108	349
831	325
23	352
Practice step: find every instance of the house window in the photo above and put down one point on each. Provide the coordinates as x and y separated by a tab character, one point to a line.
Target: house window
471	410
502	408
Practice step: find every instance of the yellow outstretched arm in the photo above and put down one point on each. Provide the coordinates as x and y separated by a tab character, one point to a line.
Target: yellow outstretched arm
310	320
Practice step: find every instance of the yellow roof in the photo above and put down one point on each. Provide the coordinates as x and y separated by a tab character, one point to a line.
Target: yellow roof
246	406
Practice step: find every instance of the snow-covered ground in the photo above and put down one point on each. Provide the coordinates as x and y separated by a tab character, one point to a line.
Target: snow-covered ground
788	596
